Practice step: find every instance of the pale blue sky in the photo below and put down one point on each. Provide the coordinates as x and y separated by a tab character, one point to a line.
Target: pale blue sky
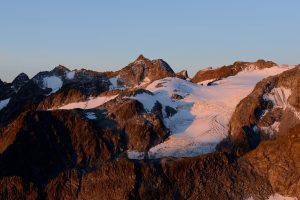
107	35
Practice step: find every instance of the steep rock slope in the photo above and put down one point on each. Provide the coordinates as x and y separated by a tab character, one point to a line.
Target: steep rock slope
143	129
16	188
270	110
38	145
7	90
50	88
144	70
278	160
205	177
211	74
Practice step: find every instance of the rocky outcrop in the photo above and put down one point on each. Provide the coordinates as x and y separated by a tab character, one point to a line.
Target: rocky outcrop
20	81
25	99
32	94
143	130
205	177
74	92
15	188
7	90
279	161
231	70
39	145
183	75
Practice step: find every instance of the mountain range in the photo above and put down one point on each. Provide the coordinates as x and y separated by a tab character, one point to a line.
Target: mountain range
147	132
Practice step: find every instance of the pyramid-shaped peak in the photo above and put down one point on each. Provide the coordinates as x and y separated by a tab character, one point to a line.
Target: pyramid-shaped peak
20	81
141	57
21	77
60	68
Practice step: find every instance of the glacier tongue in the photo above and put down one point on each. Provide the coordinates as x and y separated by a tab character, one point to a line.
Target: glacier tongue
203	114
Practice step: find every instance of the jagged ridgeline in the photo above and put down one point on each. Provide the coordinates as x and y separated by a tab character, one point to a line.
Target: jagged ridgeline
146	132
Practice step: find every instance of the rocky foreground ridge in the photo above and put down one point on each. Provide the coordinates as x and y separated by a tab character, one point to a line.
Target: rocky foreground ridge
70	135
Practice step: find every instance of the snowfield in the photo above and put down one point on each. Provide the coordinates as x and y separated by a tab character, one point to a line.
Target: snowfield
203	114
91	103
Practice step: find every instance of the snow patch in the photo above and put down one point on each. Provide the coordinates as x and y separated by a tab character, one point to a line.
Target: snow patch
90	115
4	103
92	103
135	154
52	82
206	82
279	97
70	75
114	84
146	99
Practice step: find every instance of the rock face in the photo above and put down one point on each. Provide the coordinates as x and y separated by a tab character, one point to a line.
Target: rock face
16	188
33	94
270	110
279	161
20	81
143	69
7	90
189	178
39	145
183	75
231	70
143	130
265	127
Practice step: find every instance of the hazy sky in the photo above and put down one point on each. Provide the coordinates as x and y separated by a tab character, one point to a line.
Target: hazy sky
107	35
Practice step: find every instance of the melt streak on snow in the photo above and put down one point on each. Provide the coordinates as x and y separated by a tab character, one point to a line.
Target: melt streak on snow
4	103
203	115
279	97
92	103
52	82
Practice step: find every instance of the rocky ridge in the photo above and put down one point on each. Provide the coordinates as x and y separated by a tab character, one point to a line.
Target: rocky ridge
47	153
231	70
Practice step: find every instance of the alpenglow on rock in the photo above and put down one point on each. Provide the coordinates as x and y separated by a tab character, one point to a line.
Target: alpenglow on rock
144	132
